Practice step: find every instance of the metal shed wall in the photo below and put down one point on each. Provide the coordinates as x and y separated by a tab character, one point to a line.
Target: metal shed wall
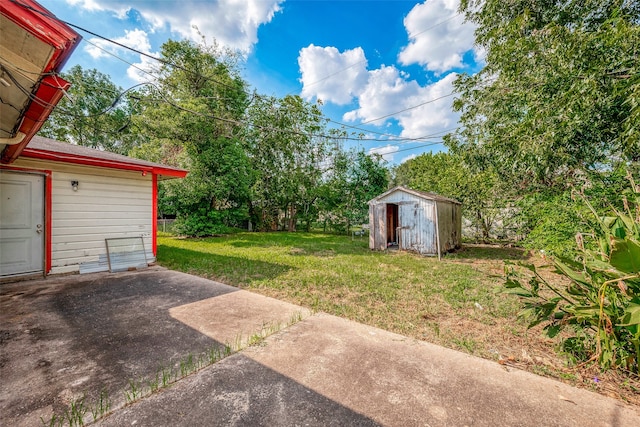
449	225
418	227
416	219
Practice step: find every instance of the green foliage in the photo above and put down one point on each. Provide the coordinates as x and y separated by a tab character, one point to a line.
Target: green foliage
602	301
284	155
550	218
559	94
204	222
449	175
550	222
96	114
352	180
202	133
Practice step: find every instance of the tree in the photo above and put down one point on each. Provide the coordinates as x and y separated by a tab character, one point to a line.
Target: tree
192	118
96	113
559	94
285	147
447	174
351	180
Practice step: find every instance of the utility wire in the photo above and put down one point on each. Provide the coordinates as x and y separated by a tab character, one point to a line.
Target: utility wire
169	63
433	26
139	52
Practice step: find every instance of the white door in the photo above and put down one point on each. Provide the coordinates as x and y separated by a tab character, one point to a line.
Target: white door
21	223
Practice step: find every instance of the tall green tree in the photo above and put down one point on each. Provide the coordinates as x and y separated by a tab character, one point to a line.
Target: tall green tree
352	179
482	196
96	113
285	145
192	117
559	95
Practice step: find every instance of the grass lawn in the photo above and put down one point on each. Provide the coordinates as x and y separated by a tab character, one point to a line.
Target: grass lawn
454	302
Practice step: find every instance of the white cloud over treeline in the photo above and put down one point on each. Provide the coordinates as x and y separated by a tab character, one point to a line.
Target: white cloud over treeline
232	23
438	38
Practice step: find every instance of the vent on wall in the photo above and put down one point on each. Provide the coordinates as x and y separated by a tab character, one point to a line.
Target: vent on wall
126	253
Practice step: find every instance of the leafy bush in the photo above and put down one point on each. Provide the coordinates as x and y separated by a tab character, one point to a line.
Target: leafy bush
549	219
203	222
601	303
550	222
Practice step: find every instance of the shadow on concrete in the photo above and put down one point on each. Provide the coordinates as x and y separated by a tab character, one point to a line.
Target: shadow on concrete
238	391
65	337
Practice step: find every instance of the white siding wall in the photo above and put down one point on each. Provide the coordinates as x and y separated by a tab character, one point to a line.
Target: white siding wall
108	204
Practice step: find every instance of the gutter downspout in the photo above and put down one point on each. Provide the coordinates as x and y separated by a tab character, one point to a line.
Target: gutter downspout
435	209
13	141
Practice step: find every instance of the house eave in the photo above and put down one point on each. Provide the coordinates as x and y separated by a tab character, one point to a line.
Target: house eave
163	171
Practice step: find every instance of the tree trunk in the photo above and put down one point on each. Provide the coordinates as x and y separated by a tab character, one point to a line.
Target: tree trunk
292	218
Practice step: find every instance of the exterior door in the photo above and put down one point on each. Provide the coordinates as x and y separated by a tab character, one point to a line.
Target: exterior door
21	223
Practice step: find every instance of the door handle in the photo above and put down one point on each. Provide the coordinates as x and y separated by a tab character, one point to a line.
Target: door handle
39	228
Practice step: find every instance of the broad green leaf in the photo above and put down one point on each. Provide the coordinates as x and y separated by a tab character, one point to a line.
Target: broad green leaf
631	315
625	256
576	276
520	291
553	330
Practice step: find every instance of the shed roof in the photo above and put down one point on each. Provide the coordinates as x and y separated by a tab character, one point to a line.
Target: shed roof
421	194
50	149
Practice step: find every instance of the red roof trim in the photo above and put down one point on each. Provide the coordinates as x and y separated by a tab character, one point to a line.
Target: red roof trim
48	94
42	24
104	163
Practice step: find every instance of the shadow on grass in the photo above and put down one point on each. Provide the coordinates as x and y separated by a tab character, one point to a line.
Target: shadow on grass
488	252
231	270
302	243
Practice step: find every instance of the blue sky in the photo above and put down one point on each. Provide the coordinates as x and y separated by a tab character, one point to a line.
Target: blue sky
385	67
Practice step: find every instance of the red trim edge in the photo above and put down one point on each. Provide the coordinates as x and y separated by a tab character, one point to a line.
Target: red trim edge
48	223
49	92
154	214
35	153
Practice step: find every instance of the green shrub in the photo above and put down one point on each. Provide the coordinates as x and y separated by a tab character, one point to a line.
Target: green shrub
601	303
201	223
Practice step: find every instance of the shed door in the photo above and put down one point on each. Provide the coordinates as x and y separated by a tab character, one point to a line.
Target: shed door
21	223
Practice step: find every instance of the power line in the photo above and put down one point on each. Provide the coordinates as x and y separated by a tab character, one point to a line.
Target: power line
169	63
119	58
431	144
409	108
434	26
139	52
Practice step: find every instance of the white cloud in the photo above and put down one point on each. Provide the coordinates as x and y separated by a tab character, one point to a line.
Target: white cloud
233	23
438	36
143	70
421	111
136	39
409	157
386	152
384	94
320	67
435	115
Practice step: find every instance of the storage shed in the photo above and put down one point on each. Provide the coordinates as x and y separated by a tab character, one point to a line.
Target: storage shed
415	221
65	208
